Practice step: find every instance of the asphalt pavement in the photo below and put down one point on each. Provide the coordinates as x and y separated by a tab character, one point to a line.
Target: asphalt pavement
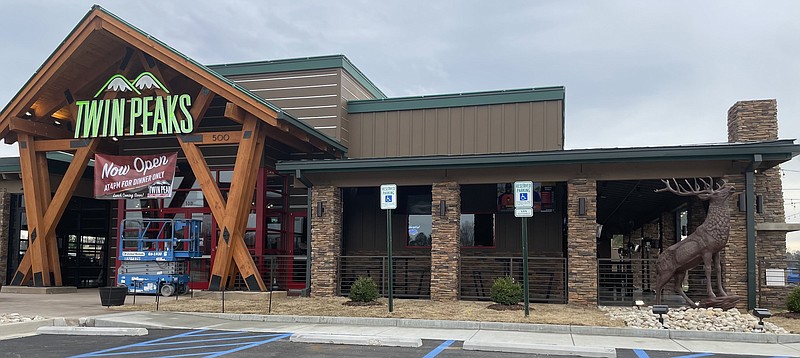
465	336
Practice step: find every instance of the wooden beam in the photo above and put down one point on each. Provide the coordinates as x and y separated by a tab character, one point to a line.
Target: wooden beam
211	138
38	129
34	209
231	245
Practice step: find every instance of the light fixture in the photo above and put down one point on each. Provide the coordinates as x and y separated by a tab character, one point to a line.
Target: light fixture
57	122
660	310
115	139
442	208
639	304
760	204
742	203
320	209
28	114
582	206
761	313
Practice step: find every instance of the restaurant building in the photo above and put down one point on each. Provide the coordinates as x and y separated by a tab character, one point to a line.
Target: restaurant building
282	162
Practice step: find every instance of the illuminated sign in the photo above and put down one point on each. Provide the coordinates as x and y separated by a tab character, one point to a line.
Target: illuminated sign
137	115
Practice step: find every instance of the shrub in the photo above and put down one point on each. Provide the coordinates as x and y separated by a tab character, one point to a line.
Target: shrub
793	301
505	291
364	290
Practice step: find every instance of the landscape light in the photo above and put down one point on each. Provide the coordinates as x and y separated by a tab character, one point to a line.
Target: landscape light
639	304
761	313
660	310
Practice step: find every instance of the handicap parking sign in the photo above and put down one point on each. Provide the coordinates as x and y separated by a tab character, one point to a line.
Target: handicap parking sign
523	196
388	193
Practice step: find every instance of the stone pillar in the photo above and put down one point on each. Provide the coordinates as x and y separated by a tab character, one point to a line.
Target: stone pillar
582	242
326	240
5	218
445	242
668	232
758	121
734	257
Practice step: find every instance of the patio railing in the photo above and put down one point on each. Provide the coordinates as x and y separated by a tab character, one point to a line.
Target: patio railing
547	277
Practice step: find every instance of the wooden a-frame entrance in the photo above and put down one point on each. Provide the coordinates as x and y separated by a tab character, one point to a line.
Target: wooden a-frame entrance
43	117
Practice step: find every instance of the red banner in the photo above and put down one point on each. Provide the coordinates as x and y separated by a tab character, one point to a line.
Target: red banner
134	177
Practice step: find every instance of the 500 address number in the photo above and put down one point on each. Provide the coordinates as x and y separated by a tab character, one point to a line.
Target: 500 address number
220	137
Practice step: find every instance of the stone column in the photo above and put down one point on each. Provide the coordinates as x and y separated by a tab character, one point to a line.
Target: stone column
758	121
696	277
734	257
5	217
582	242
326	240
445	242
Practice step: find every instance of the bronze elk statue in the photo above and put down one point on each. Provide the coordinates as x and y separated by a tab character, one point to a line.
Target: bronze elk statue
701	246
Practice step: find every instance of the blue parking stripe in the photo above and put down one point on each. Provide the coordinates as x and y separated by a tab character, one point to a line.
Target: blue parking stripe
217	333
169	349
696	355
641	353
256	344
92	354
439	349
212	339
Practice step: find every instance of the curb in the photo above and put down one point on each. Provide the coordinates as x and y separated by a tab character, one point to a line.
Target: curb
545	349
92	331
520	327
23	329
382	341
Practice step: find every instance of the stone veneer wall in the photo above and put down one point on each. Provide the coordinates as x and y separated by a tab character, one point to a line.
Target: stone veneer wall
696	277
5	217
445	242
734	257
757	121
582	242
326	240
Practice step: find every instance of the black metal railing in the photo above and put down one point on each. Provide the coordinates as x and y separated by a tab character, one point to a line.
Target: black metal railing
546	275
622	282
412	274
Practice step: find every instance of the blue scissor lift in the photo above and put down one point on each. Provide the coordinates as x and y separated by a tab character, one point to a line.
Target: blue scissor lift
154	254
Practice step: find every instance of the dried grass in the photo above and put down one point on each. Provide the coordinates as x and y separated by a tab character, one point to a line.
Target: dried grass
403	308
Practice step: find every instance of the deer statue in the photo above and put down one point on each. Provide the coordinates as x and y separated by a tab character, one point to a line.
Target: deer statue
701	246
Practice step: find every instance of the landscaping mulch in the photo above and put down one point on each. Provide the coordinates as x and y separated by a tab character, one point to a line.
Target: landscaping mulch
502	307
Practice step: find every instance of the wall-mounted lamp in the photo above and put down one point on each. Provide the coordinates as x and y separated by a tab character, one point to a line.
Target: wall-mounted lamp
742	203
442	208
320	209
28	114
581	206
760	204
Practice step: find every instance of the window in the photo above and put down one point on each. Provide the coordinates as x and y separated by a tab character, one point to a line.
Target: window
419	230
477	230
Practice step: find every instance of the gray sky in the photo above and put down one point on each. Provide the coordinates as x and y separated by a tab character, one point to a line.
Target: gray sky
637	73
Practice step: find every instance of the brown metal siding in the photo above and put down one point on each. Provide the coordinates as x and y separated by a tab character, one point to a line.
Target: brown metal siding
350	90
310	96
500	128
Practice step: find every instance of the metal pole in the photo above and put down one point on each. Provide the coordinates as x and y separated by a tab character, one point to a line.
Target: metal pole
525	292
389	252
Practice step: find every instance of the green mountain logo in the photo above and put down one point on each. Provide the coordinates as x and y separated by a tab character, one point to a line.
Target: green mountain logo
145	81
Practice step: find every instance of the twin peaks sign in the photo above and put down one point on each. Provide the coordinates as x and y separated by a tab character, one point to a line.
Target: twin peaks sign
133	113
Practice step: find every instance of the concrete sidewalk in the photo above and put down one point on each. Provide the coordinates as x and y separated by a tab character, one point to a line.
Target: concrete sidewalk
84	307
474	334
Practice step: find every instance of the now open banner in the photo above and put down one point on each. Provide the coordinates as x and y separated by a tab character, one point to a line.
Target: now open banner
134	177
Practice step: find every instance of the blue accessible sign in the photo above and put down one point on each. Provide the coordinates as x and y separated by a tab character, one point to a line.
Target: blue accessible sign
389	196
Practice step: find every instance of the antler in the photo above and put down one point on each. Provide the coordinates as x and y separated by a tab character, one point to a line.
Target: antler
694	189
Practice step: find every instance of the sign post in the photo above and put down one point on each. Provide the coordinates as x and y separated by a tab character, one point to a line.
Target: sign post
389	202
523	208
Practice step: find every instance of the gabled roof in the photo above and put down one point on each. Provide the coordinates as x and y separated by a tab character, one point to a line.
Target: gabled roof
99	19
772	153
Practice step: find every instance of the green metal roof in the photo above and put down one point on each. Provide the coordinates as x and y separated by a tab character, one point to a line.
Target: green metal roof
286	116
772	151
457	100
299	64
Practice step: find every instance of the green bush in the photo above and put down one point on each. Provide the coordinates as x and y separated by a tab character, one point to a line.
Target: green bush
505	291
793	301
364	290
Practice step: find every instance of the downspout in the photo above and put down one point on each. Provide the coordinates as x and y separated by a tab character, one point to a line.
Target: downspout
299	175
750	199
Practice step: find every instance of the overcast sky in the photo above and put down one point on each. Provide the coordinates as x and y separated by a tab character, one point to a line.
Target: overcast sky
637	73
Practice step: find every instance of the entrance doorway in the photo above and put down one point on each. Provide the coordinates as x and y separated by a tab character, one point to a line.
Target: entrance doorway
298	254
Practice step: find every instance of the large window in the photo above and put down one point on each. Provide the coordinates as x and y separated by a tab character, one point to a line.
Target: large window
477	230
419	230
